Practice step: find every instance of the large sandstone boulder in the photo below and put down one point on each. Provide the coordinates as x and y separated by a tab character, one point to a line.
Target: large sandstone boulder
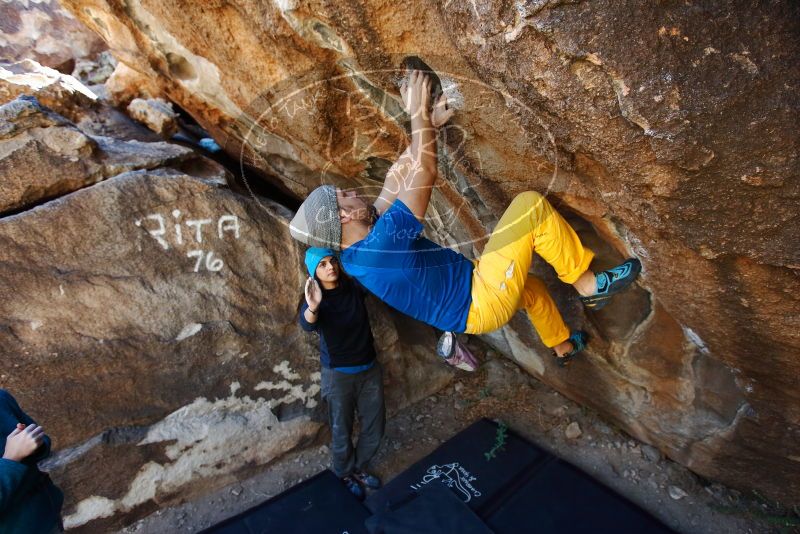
44	31
156	114
125	84
60	92
43	155
69	97
669	127
159	357
148	322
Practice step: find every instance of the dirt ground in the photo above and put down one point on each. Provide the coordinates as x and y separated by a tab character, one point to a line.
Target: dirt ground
500	390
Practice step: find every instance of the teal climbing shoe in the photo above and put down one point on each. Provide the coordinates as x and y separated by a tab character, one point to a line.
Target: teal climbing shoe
579	339
611	282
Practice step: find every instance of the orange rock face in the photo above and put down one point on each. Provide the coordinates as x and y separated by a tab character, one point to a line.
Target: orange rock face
671	129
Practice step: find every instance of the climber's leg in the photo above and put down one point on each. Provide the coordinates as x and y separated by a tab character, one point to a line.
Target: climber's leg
547	321
543	313
530	224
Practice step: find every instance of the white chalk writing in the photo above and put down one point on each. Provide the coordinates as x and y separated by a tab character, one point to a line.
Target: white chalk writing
199	230
454	476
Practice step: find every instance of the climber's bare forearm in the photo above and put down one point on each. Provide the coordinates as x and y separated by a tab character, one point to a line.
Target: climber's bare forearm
417	186
395	177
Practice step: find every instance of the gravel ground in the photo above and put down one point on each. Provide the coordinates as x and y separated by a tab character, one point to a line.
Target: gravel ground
500	390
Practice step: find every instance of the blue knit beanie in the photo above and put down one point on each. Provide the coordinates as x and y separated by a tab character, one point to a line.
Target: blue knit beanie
314	255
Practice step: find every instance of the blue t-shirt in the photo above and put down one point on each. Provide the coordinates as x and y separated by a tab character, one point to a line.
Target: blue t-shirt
410	273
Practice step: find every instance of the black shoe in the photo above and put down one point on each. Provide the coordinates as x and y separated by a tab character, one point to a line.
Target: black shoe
611	282
370	481
354	486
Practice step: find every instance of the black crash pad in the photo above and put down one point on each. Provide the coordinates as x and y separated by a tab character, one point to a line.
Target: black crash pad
460	463
521	489
559	498
320	504
434	509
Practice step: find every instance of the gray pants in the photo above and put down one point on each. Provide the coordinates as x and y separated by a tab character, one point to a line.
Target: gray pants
346	394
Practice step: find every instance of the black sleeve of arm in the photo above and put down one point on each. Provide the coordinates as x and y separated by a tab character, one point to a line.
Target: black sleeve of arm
12	477
305	325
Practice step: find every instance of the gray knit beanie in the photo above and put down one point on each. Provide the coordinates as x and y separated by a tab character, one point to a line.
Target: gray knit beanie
317	221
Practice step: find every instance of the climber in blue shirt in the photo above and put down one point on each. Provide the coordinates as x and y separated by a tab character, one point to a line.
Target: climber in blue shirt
383	248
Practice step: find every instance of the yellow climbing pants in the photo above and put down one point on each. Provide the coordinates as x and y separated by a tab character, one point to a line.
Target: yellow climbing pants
501	284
